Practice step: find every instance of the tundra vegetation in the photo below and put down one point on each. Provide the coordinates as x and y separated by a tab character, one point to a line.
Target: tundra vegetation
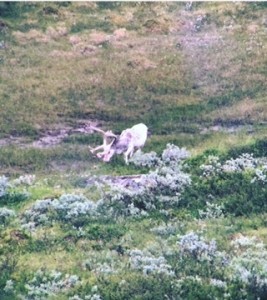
186	218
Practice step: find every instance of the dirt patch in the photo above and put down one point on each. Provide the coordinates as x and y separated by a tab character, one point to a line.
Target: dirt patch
32	35
75	40
57	32
87	44
39	36
159	25
228	129
84	45
141	63
58	53
14	141
121	19
50	138
127	181
120	34
55	137
98	38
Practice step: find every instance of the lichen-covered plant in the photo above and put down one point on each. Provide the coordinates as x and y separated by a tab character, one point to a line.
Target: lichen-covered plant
222	187
159	189
249	264
212	211
46	284
71	208
149	264
8	193
3	185
194	245
6	215
244	162
27	180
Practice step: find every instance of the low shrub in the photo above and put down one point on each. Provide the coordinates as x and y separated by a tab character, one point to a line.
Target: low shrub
236	186
46	284
193	245
159	189
9	195
6	215
8	264
258	149
194	287
75	209
249	266
105	232
136	286
149	264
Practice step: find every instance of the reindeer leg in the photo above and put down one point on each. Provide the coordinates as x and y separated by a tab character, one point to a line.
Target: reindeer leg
128	154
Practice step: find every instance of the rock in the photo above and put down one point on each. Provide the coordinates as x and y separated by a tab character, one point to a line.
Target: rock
141	63
120	34
127	181
252	28
98	38
3	45
88	49
56	33
74	40
58	53
33	34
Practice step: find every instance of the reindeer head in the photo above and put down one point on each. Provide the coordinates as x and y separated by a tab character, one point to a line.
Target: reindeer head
109	138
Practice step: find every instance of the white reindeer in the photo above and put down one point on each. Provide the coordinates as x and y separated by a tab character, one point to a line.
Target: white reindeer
127	142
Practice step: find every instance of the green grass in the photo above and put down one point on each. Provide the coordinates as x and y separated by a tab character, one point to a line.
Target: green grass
27	160
118	87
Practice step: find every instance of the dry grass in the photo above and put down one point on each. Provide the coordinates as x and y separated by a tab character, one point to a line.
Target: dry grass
223	141
247	110
141	59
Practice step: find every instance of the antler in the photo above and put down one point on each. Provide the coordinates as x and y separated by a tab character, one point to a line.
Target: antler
108	133
107	144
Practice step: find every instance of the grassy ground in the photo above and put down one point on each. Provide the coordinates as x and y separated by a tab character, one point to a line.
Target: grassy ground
194	74
181	69
177	70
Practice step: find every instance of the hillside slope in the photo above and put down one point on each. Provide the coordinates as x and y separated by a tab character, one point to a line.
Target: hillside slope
177	67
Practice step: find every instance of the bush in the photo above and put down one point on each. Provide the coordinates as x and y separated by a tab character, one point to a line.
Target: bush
136	287
6	215
237	185
3	186
70	207
160	189
194	287
8	9
45	284
8	265
249	266
258	149
149	264
9	195
74	209
194	245
105	232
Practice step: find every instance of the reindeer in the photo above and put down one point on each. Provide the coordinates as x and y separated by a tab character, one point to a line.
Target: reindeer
127	142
